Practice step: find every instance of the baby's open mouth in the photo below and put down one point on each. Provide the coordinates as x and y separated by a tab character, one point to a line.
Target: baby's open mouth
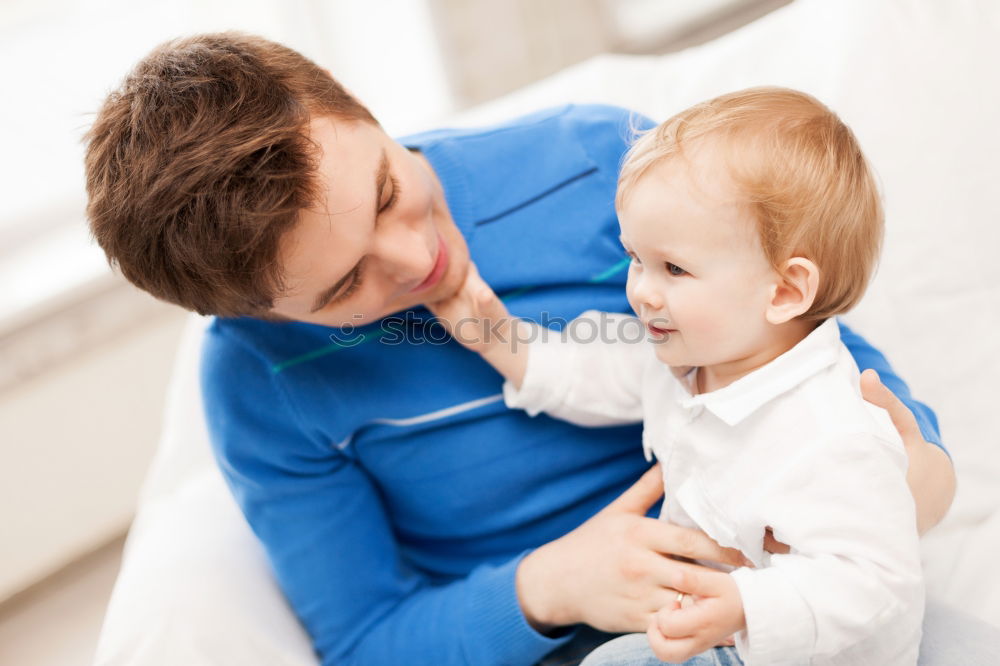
659	330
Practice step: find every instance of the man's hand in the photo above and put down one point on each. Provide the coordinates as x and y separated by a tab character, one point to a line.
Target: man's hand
930	475
614	571
709	616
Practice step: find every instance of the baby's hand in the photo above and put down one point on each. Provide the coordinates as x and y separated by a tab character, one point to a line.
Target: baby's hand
680	631
475	316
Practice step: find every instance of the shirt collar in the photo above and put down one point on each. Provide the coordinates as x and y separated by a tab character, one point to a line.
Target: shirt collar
734	403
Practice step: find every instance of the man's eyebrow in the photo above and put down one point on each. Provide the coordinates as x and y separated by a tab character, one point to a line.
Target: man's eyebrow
381	178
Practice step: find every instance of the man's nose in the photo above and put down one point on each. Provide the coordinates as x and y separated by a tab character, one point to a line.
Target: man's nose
403	253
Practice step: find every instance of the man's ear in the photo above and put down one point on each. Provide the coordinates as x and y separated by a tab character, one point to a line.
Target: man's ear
794	291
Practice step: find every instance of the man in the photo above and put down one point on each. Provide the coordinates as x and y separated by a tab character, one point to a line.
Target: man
407	514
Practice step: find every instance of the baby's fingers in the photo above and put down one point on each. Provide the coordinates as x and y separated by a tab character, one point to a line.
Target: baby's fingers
682	622
486	303
461	303
673	650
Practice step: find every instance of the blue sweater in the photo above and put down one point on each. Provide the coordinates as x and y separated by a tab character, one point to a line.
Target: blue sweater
394	492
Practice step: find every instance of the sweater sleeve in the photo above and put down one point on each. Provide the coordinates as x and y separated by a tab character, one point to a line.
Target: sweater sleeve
854	570
867	356
590	375
330	542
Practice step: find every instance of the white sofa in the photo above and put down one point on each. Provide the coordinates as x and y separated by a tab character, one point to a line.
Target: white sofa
918	82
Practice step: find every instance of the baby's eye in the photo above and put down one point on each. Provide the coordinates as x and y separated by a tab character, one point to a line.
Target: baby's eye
635	259
674	269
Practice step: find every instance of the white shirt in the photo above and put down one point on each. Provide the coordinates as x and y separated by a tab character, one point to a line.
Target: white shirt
791	446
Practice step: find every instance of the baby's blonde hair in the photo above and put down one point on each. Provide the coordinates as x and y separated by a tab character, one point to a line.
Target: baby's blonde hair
804	177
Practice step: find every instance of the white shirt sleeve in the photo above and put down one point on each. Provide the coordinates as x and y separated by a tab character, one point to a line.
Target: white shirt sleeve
854	568
585	375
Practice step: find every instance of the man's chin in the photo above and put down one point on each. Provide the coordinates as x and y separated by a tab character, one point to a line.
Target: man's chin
451	282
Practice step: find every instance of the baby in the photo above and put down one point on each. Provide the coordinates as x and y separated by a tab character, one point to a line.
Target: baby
750	220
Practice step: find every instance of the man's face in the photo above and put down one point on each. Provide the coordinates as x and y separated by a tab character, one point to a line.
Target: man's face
380	241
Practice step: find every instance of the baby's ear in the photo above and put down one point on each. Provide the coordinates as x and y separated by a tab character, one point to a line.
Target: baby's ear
794	291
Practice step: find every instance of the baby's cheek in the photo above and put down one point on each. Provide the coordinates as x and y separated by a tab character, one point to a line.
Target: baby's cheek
709	323
629	295
738	324
697	308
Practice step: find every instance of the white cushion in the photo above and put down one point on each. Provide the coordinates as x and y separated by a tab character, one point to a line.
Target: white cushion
194	586
916	80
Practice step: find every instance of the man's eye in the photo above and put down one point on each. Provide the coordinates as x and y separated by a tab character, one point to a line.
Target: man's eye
347	293
674	269
351	288
392	197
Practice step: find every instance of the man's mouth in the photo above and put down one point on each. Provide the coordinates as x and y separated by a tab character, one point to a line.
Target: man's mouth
437	270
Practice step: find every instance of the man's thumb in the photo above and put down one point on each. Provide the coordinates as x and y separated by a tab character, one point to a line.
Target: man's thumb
643	494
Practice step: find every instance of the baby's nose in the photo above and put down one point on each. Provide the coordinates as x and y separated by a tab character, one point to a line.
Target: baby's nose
650	297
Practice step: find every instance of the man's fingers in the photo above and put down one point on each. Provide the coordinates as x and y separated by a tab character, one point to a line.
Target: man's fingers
658	572
699	581
875	392
664	571
643	494
691	543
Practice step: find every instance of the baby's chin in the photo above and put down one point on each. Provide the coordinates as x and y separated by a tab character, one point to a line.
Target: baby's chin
672	352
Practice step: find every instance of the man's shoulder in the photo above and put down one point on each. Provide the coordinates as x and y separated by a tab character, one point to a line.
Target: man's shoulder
563	160
583	123
585	119
256	345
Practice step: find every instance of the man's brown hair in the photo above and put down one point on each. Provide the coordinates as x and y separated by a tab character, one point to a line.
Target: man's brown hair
200	162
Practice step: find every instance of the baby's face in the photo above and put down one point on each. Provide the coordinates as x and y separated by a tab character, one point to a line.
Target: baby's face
699	279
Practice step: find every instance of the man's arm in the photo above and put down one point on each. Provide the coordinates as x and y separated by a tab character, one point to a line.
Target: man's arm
930	475
334	550
332	546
